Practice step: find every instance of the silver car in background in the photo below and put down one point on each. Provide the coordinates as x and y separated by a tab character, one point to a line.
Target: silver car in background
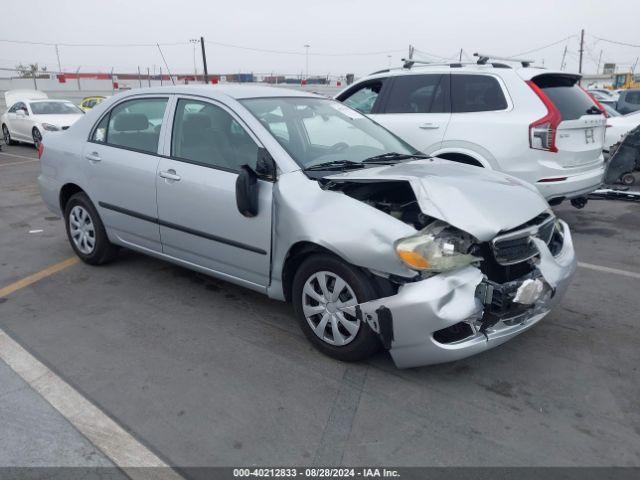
306	200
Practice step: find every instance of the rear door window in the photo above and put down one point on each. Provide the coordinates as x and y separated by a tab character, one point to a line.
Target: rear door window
134	124
418	94
633	97
566	95
476	93
363	97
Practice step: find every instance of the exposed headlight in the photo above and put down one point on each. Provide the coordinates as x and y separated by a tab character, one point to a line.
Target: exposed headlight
50	128
438	247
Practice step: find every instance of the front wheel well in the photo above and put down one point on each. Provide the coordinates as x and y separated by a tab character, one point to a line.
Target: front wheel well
300	251
66	192
460	158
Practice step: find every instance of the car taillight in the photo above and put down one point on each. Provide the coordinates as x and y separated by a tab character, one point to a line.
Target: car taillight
542	132
40	150
595	100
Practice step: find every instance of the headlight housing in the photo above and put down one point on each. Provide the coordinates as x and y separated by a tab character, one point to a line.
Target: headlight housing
438	247
50	128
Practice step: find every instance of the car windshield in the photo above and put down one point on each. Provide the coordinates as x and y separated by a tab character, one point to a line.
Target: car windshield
317	131
54	108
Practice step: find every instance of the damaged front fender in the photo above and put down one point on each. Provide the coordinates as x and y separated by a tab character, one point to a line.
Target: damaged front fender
408	321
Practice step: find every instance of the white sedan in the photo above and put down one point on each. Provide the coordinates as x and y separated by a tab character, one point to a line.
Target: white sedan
31	114
618	126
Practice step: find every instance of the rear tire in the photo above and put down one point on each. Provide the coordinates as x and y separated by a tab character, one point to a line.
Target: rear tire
86	232
7	136
628	179
341	336
37	137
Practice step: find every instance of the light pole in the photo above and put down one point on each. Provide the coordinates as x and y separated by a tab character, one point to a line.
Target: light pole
306	46
194	41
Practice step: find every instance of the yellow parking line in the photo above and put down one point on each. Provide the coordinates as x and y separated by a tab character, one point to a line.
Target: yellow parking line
36	277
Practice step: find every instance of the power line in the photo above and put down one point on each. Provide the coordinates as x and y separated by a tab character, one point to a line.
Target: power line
292	52
600	39
61	44
544	46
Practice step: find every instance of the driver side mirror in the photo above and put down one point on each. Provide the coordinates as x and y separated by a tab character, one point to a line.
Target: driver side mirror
247	182
247	191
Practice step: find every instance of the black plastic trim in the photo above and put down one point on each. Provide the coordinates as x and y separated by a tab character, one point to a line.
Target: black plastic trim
181	228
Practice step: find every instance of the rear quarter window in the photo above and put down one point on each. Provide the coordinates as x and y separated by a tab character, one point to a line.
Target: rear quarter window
566	95
476	93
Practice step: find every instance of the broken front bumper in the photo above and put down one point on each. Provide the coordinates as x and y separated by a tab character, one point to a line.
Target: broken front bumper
408	321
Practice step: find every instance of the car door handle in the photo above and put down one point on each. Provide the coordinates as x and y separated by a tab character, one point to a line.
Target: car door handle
93	156
429	126
170	175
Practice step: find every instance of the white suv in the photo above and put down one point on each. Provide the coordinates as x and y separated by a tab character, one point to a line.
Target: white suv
536	124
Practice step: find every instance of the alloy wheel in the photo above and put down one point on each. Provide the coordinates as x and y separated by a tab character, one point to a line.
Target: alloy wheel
6	135
37	137
329	306
82	230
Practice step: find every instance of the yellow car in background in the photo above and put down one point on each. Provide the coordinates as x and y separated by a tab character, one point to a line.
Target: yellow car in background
88	103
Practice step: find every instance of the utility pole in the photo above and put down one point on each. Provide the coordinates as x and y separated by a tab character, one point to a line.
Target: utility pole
581	50
204	61
460	58
113	88
564	56
58	55
194	41
148	76
306	46
599	60
139	77
160	76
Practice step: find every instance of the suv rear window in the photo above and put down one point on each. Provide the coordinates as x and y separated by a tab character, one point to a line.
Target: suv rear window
566	95
418	94
476	93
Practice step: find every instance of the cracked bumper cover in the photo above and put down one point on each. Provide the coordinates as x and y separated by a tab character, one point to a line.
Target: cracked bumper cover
407	321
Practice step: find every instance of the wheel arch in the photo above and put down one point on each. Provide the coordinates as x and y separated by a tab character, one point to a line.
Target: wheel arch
300	251
66	192
465	157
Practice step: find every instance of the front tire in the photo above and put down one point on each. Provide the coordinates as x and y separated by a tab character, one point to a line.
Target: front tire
7	136
325	292
37	137
86	232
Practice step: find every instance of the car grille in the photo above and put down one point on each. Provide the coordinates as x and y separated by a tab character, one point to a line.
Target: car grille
516	245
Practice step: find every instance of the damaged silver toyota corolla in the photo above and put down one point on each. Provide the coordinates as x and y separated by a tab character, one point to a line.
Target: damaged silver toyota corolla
306	200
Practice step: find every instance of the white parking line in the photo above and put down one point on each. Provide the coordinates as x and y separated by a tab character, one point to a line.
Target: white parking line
109	437
18	156
18	163
615	271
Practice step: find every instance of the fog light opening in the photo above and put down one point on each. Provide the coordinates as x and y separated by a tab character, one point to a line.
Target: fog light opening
453	333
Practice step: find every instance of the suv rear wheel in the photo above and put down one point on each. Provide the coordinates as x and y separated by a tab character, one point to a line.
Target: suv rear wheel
325	292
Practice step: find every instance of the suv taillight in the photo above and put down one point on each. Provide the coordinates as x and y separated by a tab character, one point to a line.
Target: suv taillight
542	132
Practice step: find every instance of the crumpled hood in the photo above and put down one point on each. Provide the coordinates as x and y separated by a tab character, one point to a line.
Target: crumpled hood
476	200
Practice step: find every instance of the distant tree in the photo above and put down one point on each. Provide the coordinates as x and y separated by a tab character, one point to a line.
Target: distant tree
30	70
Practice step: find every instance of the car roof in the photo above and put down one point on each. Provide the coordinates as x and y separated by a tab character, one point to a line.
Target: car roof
526	73
237	92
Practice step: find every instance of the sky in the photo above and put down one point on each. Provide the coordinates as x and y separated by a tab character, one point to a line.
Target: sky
344	36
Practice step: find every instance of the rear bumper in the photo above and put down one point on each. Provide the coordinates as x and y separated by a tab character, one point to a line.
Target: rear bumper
574	186
50	193
420	309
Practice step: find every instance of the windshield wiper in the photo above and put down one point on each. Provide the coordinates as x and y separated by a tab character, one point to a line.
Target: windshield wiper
393	157
335	165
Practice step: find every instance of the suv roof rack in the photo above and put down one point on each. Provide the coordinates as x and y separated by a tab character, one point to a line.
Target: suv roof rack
484	58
